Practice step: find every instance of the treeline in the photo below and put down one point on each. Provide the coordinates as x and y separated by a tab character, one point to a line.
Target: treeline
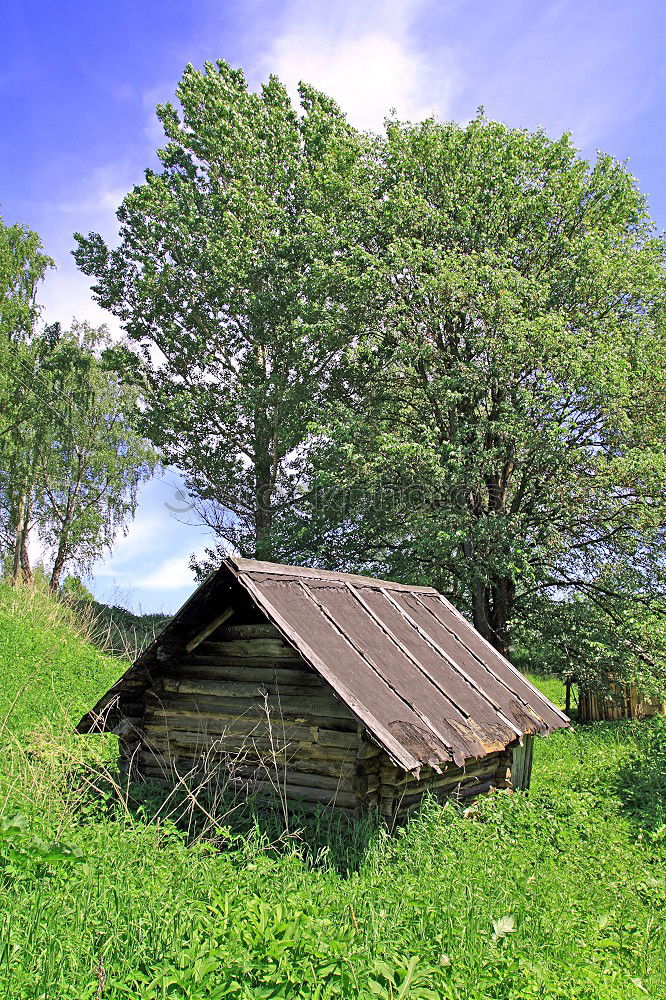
435	354
71	453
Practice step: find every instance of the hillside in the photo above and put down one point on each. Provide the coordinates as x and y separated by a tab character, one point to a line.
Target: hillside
560	895
49	672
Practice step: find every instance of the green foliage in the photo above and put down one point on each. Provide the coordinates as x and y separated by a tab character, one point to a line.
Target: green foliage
74	589
93	459
504	433
557	895
72	462
580	642
24	857
232	274
23	265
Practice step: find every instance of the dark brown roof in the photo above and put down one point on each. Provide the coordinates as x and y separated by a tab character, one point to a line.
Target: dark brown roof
420	678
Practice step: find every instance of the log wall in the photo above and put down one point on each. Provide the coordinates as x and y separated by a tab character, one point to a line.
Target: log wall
242	711
244	708
401	793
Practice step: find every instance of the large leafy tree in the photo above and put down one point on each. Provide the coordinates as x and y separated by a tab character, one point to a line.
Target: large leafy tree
504	436
236	273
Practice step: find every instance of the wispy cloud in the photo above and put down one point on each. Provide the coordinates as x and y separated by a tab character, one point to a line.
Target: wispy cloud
365	56
91	208
173	573
154	555
562	64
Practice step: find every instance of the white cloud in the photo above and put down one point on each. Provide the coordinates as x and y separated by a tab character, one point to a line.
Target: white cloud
148	568
172	574
145	534
365	58
66	293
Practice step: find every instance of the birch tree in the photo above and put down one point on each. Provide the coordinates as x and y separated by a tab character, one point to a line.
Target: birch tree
96	459
23	265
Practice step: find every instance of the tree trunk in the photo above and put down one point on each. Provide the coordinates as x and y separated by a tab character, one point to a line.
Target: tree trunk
480	610
19	538
263	521
58	565
263	489
26	568
503	597
492	608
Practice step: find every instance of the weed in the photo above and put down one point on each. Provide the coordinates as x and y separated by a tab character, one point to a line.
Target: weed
555	895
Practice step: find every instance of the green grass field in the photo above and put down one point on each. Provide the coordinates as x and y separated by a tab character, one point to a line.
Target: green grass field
561	894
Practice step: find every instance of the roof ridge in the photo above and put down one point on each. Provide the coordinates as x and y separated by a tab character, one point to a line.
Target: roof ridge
314	573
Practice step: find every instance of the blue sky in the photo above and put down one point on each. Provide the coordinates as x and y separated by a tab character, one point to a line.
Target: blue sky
79	82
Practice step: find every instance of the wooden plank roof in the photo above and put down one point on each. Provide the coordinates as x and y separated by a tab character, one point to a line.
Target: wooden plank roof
427	687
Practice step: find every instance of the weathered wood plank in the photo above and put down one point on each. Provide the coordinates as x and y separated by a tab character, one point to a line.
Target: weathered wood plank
292	774
271	649
233	710
467	792
334	738
486	767
263	630
230	701
305	779
221	689
209	629
172	717
325	796
312	756
155	767
212	668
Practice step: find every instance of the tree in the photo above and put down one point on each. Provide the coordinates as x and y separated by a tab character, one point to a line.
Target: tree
504	434
71	457
23	265
236	274
614	654
95	459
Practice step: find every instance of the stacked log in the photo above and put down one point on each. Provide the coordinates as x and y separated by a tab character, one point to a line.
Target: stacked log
245	703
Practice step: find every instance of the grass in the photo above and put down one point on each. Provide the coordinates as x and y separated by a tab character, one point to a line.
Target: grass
561	894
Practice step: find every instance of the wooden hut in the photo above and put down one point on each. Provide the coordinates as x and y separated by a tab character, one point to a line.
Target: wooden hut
325	688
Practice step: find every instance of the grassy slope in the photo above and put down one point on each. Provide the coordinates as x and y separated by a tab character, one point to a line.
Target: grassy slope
48	671
578	869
